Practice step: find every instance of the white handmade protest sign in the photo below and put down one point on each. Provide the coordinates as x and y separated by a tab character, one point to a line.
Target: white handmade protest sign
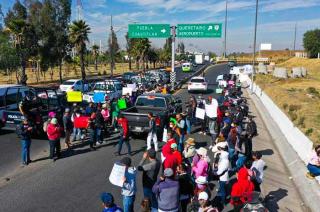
211	110
118	171
126	90
133	86
165	135
200	113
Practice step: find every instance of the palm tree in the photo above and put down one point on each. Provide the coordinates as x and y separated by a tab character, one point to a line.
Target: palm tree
78	36
140	49
95	52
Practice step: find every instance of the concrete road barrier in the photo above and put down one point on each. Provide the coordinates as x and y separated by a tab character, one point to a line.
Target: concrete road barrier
296	72
280	73
262	69
304	72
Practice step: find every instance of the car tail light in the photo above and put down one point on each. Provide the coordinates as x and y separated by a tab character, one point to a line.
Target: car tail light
4	115
204	83
158	121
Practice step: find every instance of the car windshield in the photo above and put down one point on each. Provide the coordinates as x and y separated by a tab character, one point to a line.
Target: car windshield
103	87
151	101
197	80
68	83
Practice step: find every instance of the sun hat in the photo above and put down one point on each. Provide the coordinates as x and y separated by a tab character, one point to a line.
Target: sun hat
203	196
202	151
54	121
168	172
190	141
104	105
201	180
106	198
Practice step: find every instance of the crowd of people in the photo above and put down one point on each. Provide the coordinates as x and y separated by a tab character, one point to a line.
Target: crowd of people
178	175
180	179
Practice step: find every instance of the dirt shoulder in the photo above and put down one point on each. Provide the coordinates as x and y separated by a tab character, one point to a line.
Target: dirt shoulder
298	98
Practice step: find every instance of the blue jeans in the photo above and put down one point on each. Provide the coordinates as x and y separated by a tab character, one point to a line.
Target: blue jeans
180	144
147	192
314	170
222	191
99	136
25	144
76	133
188	123
232	157
126	141
128	203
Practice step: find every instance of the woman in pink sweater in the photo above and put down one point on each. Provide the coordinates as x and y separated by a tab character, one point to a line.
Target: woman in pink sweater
54	134
201	167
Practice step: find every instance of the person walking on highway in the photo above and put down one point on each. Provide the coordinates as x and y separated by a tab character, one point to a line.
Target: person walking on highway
149	177
54	135
167	191
128	185
76	131
108	203
99	126
181	124
92	128
152	135
115	113
124	134
68	127
24	131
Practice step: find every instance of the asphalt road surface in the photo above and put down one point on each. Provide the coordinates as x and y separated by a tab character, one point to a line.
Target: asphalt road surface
75	182
10	158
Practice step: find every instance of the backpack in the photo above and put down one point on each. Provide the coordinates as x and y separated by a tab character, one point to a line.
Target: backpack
45	126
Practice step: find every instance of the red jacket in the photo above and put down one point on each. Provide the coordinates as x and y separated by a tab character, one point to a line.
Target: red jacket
53	132
242	188
219	116
178	156
166	149
123	122
170	162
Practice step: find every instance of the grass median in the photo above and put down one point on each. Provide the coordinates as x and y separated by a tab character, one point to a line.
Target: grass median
299	98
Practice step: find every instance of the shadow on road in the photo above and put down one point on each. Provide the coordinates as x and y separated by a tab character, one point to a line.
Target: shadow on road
273	197
266	152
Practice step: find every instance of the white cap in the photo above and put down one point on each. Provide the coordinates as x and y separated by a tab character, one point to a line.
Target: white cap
202	151
203	195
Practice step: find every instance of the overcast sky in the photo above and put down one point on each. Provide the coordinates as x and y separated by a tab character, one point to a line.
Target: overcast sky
277	19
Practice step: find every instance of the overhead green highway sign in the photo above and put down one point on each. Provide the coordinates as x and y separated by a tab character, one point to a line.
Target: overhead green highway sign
211	30
149	30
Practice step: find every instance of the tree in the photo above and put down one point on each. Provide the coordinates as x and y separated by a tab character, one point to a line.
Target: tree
113	49
153	56
129	48
181	48
165	54
311	42
78	36
23	36
140	49
95	52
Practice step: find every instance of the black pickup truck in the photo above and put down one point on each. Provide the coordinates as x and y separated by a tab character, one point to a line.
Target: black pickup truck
40	102
163	106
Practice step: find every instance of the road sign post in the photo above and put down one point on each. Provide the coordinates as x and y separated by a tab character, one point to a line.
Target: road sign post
173	52
149	30
212	30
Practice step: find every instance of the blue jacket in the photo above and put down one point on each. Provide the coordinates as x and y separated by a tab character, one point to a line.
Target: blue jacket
167	193
114	208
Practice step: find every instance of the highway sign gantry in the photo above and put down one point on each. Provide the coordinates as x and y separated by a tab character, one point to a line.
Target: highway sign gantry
149	30
211	30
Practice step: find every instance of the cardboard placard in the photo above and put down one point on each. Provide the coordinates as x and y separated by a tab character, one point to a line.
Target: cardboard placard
74	96
118	171
200	113
219	90
133	87
122	104
126	90
211	110
99	97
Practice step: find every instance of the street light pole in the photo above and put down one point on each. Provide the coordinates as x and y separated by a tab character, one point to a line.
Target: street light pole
173	73
225	31
254	44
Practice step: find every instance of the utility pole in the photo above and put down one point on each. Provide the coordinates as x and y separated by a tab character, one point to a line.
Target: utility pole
111	49
173	73
225	31
295	37
254	44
